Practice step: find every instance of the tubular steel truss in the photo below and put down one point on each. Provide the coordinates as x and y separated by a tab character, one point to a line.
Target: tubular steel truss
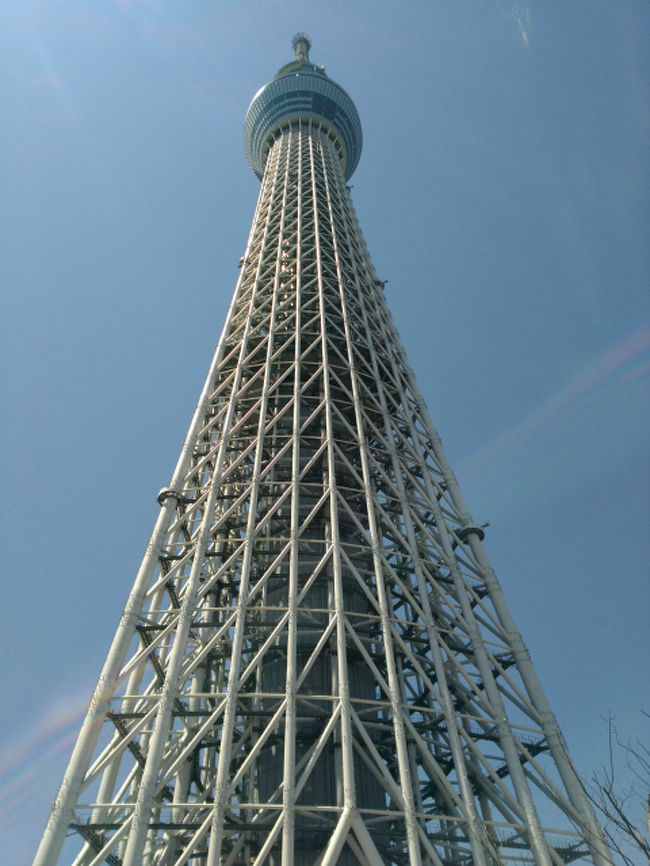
316	664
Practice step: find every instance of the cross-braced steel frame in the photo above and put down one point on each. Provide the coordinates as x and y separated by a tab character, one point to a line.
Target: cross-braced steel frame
316	664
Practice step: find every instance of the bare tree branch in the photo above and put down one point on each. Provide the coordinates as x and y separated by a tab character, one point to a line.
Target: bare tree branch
624	808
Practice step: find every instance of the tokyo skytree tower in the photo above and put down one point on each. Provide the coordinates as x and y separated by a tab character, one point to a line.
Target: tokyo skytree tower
316	664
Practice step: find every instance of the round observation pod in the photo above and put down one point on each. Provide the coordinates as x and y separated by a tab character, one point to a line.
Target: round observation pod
302	90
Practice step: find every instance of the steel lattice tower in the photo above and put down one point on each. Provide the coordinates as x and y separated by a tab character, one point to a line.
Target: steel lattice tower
316	664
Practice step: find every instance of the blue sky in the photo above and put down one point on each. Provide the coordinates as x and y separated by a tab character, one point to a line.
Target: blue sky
503	194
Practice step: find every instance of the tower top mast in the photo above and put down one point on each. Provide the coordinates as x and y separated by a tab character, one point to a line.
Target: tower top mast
301	45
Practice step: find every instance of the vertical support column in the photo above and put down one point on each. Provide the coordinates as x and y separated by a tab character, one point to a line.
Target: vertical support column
62	813
289	769
474	832
347	757
223	769
557	746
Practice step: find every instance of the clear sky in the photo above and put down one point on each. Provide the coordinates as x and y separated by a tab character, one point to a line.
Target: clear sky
503	194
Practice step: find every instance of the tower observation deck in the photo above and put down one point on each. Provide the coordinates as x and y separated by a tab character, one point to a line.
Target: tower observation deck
302	90
316	665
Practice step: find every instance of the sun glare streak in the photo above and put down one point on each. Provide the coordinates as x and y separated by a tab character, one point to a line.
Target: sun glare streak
518	11
609	382
43	746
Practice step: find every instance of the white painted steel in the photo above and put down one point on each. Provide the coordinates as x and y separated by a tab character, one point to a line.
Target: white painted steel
316	663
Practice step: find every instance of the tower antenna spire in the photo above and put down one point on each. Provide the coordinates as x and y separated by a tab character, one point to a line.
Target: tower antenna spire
301	45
